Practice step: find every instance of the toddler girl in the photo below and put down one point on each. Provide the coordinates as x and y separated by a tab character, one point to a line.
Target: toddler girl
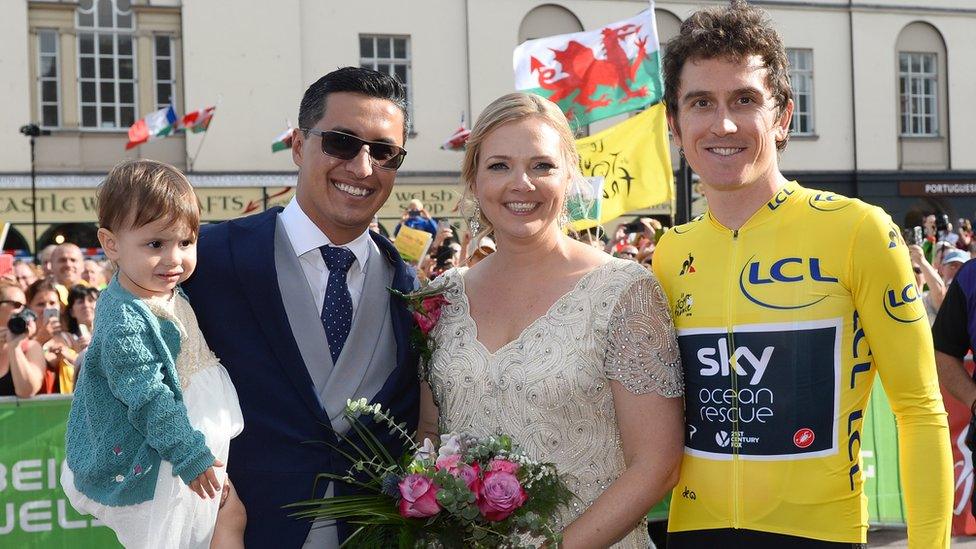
153	411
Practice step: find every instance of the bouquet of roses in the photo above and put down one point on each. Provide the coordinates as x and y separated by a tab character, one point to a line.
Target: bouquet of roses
471	492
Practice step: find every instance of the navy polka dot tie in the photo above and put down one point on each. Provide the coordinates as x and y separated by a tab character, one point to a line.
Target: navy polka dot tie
337	308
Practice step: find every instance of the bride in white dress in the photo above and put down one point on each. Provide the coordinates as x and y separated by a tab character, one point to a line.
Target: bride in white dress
548	340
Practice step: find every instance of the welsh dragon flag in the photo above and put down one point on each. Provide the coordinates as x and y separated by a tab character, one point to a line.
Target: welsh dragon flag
154	125
597	74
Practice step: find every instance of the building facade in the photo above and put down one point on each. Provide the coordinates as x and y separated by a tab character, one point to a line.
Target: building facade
883	91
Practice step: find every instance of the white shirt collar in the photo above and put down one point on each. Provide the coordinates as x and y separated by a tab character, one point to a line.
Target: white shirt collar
305	236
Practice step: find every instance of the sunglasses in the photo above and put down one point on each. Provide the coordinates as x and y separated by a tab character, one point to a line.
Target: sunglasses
346	147
12	303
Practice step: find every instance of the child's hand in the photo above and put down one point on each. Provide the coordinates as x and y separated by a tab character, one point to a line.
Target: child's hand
206	484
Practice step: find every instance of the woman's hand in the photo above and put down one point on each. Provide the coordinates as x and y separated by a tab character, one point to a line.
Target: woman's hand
81	343
52	325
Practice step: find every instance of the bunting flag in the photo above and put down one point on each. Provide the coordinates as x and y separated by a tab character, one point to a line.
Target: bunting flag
153	126
457	140
634	161
198	120
595	74
283	141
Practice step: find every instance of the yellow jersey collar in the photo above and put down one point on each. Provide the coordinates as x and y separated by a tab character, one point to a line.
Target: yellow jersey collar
781	200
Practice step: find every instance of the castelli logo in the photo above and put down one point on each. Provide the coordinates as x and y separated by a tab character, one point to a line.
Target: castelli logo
803	438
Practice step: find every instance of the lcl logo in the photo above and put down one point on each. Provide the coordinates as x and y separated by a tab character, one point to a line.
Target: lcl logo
828	202
754	277
898	304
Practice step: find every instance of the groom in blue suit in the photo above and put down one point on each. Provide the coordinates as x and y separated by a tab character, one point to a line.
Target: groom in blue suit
295	303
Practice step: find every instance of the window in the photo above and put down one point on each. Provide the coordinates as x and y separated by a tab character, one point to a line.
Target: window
164	71
106	63
390	55
918	88
48	80
801	77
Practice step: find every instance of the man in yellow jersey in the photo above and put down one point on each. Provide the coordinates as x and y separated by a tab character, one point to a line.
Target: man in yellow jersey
789	303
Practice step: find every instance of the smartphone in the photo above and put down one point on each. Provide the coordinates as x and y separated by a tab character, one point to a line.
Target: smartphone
918	235
52	312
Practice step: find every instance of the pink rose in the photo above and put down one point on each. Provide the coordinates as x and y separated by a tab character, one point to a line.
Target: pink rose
500	495
472	476
430	313
503	465
418	497
470	473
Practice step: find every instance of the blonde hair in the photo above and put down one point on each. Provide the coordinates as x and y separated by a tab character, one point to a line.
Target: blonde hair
512	107
139	192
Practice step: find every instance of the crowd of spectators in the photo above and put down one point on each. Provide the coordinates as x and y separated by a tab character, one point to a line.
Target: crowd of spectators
46	314
55	298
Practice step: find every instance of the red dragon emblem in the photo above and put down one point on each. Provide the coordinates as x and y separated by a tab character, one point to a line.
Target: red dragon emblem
584	72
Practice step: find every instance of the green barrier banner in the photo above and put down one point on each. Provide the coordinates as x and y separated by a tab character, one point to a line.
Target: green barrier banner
879	460
35	513
33	509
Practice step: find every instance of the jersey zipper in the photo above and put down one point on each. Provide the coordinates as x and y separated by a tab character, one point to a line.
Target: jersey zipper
733	378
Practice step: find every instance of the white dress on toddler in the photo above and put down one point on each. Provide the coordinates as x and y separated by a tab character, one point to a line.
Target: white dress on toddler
176	516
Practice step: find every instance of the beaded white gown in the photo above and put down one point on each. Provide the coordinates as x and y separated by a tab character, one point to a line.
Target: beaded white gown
549	388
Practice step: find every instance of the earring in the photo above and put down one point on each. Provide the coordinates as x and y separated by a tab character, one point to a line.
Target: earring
681	152
563	217
474	222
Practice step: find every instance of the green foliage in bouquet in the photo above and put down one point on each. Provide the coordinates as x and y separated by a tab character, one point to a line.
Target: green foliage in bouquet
472	493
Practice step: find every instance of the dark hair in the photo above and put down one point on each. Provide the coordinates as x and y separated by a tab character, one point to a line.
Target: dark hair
732	32
354	80
139	192
78	293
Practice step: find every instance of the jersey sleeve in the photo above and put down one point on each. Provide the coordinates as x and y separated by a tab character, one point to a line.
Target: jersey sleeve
949	333
893	318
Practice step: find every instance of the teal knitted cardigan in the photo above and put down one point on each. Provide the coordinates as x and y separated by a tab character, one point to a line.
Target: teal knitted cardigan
128	412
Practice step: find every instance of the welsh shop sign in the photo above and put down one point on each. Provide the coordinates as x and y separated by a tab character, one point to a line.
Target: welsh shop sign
937	188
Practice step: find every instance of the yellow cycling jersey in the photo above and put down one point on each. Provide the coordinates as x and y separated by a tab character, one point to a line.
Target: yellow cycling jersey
783	325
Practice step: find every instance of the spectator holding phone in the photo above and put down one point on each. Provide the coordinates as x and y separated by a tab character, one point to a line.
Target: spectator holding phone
80	316
44	300
926	275
21	359
416	217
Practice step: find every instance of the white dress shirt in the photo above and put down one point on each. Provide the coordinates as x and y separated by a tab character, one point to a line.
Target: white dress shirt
306	239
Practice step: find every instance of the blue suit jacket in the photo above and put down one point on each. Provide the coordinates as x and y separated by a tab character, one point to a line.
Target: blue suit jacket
235	296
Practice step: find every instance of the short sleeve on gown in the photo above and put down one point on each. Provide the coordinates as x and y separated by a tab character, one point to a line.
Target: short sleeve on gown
642	351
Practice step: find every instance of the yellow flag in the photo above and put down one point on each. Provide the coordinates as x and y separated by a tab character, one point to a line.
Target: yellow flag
635	162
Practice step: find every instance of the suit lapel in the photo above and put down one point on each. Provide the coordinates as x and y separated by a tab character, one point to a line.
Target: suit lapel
405	281
302	311
252	252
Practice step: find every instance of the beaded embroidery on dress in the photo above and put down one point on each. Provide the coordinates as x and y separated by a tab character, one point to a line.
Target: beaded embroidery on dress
195	354
549	387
